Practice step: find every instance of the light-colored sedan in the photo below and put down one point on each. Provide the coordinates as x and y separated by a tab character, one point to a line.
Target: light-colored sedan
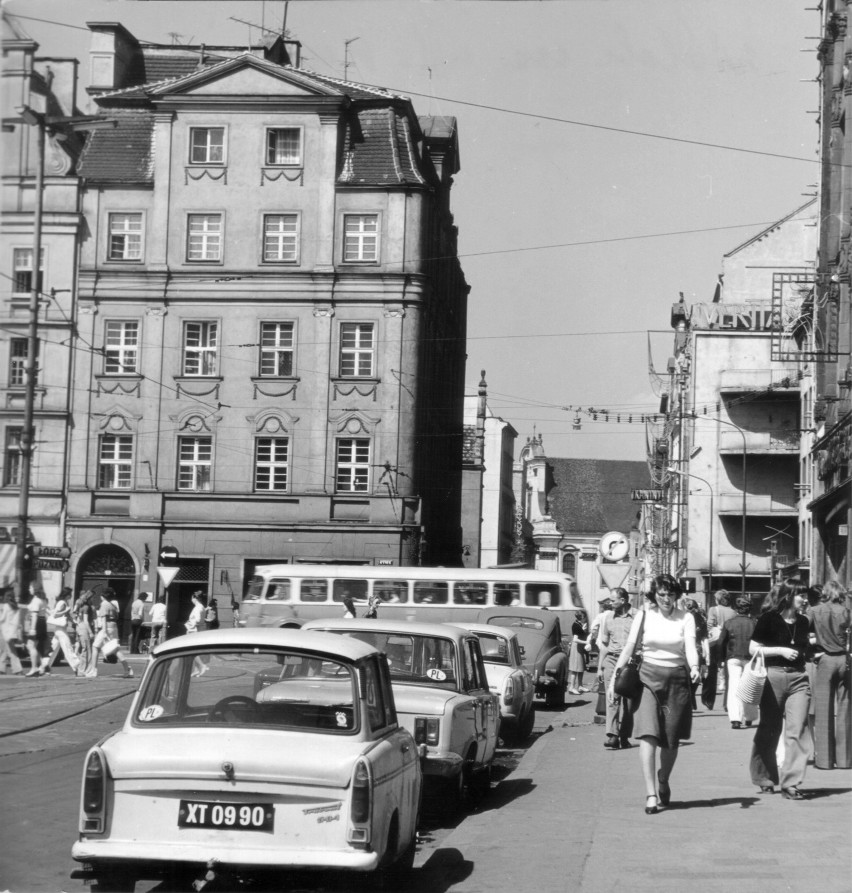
442	695
508	679
247	752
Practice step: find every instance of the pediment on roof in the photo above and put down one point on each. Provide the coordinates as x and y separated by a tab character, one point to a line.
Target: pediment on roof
244	76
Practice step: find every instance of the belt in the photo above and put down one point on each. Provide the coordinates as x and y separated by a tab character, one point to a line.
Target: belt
834	653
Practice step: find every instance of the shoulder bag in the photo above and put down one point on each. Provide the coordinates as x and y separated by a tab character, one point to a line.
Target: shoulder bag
627	682
752	681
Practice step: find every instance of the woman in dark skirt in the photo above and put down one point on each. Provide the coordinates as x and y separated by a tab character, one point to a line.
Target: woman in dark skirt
663	712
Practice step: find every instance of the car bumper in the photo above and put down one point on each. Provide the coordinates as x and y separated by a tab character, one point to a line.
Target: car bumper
136	857
446	765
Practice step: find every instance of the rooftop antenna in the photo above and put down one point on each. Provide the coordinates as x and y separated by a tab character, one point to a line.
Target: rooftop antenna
346	56
174	36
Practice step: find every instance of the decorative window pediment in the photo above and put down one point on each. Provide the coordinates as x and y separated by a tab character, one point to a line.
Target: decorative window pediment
273	422
354	423
116	421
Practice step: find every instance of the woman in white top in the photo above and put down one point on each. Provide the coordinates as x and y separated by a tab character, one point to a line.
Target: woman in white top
663	712
58	622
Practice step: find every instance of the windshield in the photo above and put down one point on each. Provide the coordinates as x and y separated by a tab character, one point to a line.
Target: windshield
251	687
414	659
495	649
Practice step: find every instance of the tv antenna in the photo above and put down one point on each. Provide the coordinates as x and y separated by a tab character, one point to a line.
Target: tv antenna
346	56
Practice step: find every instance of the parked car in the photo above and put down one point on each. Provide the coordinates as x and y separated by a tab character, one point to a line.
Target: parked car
248	751
507	678
442	696
544	654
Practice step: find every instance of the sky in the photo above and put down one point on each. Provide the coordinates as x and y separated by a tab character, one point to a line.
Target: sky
612	151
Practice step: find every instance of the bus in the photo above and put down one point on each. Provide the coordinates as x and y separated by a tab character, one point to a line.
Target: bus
288	595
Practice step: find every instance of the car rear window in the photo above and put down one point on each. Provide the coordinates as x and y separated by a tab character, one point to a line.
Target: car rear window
252	687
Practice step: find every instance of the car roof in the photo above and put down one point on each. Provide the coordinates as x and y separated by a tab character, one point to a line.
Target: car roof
271	637
487	629
547	618
446	630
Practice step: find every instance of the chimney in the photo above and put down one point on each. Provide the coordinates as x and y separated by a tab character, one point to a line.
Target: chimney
113	58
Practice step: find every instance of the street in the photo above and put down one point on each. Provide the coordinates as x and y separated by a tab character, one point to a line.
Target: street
563	812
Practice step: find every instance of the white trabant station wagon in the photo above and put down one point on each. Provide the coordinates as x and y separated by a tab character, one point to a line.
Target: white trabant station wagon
442	695
252	751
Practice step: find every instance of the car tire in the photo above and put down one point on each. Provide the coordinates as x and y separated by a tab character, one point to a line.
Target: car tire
396	868
555	697
526	724
453	795
481	782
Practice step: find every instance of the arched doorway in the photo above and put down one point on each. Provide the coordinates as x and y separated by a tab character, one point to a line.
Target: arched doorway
110	566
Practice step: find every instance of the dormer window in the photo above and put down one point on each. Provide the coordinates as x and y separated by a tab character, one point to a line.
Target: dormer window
207	145
284	147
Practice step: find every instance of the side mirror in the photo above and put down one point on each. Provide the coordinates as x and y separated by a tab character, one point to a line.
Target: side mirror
523	650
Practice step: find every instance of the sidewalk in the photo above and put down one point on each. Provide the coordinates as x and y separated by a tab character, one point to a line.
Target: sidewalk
571	818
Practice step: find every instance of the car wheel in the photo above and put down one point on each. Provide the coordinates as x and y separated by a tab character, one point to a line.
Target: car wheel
481	782
396	868
453	795
526	724
555	697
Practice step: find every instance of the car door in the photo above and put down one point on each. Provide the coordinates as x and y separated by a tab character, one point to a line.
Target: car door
486	704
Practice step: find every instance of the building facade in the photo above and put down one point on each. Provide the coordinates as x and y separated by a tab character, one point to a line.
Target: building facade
271	322
41	294
733	423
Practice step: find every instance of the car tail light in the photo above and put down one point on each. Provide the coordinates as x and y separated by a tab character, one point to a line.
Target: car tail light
94	794
427	730
509	691
362	793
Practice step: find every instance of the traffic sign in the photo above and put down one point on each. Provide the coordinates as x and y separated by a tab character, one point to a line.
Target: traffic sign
50	564
51	552
613	575
169	555
167	574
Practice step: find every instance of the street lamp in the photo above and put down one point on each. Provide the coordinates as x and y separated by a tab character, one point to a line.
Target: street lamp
719	421
688	474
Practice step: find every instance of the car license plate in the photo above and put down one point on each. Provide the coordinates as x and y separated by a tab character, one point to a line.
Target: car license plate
230	816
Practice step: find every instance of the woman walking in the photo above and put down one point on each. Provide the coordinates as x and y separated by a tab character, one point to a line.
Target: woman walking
663	712
832	731
577	654
58	622
84	618
35	631
12	633
734	648
781	633
108	632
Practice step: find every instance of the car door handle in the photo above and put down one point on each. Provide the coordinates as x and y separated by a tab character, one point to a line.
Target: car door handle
404	748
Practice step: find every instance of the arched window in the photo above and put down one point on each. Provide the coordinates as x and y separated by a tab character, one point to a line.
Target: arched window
569	563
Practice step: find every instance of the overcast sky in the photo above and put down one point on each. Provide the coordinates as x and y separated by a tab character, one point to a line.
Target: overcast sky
576	232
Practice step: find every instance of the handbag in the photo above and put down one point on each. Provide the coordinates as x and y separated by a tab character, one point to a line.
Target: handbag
627	682
57	622
110	647
752	681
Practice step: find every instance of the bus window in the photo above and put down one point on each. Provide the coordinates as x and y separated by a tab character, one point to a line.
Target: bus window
279	591
507	594
391	592
542	595
430	592
470	593
357	589
255	589
314	590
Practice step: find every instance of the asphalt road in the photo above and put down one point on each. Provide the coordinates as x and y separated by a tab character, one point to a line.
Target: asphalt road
40	773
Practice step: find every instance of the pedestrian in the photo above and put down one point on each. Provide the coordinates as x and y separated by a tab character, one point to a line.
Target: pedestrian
733	645
59	621
662	715
35	631
106	639
84	618
349	604
812	657
781	633
193	625
577	653
832	730
158	622
604	605
718	615
612	637
211	615
137	618
708	685
372	611
235	613
12	633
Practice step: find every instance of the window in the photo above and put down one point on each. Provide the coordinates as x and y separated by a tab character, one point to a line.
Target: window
200	346
356	349
125	236
195	463
12	456
121	347
284	146
22	273
431	592
207	145
352	474
271	463
314	590
276	349
281	238
360	238
115	462
204	237
18	362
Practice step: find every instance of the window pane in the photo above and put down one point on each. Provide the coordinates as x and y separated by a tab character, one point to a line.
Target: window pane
201	341
280	237
360	237
121	347
205	237
314	590
276	348
115	462
356	350
542	594
283	146
391	591
207	145
194	463
271	455
430	592
125	236
353	465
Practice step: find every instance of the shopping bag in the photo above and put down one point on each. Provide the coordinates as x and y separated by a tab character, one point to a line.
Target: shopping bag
752	681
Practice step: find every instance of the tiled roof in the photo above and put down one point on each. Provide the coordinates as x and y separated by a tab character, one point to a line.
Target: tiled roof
353	90
163	67
123	154
592	496
378	149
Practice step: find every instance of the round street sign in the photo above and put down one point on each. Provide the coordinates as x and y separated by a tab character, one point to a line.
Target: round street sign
169	555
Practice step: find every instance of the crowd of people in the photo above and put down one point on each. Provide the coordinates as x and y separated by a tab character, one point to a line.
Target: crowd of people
86	630
803	636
